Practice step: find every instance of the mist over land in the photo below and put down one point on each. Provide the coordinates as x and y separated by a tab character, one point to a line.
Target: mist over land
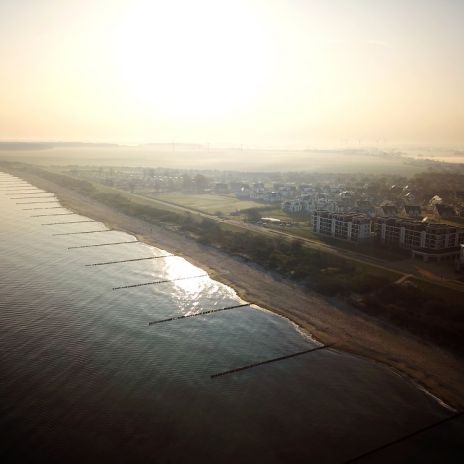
408	161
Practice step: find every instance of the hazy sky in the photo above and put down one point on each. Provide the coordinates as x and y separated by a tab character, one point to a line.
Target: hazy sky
252	71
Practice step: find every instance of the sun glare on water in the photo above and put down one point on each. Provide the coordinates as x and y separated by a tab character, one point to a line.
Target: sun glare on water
191	58
178	268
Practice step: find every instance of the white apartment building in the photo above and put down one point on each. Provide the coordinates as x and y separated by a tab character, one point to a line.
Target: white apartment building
427	240
293	206
353	227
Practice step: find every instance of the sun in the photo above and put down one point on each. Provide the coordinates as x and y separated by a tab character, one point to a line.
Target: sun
184	58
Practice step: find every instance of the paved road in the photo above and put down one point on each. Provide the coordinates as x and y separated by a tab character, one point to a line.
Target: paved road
398	267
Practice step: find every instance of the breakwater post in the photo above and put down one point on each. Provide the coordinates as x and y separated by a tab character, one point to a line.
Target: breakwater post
268	361
201	313
159	282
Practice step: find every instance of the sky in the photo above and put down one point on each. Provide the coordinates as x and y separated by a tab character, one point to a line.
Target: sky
269	72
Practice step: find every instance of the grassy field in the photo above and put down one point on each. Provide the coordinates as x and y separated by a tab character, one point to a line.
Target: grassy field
225	205
209	202
278	213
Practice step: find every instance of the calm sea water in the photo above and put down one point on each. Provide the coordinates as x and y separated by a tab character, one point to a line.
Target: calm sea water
85	378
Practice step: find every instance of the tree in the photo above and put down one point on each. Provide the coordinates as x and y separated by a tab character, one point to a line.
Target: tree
201	183
252	214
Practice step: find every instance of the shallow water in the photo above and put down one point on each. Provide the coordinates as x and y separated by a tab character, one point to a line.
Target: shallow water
84	377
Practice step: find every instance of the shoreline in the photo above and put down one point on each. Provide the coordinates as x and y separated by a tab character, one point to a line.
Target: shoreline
329	321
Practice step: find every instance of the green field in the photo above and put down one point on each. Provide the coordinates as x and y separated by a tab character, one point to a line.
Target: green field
208	202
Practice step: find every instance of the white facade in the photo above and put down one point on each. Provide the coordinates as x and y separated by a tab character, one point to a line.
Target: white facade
352	227
407	233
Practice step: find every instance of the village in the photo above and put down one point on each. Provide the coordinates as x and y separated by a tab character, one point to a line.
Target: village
424	214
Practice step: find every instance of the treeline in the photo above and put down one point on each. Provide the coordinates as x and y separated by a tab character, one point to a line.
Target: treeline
445	184
323	272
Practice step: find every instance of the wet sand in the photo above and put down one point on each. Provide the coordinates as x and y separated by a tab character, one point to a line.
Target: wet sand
330	321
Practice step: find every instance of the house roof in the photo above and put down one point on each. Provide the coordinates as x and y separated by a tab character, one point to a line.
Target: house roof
445	210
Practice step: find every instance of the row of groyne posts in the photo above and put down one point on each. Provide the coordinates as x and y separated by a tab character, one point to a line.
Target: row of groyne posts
22	190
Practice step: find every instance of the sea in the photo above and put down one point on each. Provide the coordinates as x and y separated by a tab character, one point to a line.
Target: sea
98	362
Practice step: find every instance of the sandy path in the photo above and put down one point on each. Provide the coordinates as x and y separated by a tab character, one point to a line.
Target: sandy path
329	321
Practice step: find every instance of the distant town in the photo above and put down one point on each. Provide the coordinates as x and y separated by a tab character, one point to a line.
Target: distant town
423	214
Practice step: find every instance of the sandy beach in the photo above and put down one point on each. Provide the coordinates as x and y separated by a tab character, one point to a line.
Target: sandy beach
330	321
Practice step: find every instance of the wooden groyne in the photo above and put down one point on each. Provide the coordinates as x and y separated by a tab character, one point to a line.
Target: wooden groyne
102	244
268	361
85	232
70	222
405	437
48	207
23	191
30	198
14	182
159	282
37	202
199	314
49	215
129	260
14	185
29	192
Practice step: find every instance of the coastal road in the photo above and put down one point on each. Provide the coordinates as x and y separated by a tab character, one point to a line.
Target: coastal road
398	268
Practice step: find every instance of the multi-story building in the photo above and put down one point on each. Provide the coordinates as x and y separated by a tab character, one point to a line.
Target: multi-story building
272	197
427	240
354	227
293	206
